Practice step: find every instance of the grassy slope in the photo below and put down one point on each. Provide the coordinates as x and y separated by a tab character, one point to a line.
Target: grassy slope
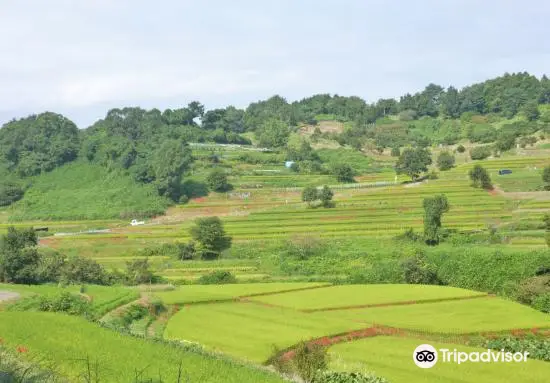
339	296
103	298
360	163
188	294
86	191
62	340
392	359
481	314
249	331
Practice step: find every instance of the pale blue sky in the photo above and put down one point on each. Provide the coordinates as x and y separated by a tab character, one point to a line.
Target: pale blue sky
82	57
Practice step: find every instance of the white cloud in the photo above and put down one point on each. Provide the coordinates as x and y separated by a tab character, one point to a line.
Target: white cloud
74	55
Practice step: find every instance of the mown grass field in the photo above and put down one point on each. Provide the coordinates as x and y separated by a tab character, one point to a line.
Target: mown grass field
65	342
391	357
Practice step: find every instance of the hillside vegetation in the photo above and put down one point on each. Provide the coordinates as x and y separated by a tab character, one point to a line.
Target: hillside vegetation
86	191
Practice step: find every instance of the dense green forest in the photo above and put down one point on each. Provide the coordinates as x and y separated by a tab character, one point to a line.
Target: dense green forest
151	146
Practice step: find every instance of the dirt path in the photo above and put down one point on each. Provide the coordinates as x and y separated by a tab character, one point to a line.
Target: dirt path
8	296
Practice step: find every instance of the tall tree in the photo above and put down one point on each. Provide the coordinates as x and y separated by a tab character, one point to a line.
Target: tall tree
413	162
434	207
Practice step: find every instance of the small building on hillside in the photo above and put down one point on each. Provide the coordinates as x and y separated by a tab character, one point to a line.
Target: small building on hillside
504	171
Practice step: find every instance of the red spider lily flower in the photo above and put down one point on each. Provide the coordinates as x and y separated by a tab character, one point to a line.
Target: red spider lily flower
22	349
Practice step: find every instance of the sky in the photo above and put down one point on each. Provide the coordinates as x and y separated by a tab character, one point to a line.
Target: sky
84	57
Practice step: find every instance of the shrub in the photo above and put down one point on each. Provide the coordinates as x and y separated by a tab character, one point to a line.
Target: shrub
138	272
395	151
218	277
531	288
9	193
309	360
445	161
407	115
460	148
542	303
433	211
416	270
80	270
217	180
505	142
210	234
348	377
480	152
413	162
546	175
408	235
480	177
66	302
325	195
538	348
303	248
343	173
309	194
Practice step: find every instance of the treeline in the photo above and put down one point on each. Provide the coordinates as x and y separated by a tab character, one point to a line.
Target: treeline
151	145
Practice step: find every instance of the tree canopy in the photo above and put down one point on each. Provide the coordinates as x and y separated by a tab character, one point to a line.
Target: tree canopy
413	162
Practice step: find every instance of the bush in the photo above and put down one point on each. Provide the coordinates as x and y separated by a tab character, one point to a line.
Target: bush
408	235
343	173
445	161
309	194
542	303
480	152
10	193
531	288
395	151
219	277
546	175
65	302
538	348
309	359
217	180
407	115
480	177
417	270
303	248
460	148
138	272
210	234
505	142
434	207
325	195
80	270
348	377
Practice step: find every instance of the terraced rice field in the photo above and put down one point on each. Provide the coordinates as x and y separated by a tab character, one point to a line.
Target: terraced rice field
247	330
250	328
198	293
453	317
272	213
72	339
391	357
364	295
